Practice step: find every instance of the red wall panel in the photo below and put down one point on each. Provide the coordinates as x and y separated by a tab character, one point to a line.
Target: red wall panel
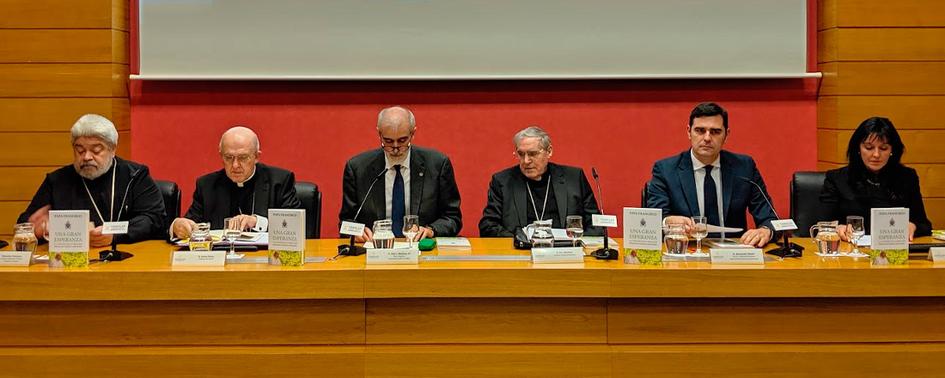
621	127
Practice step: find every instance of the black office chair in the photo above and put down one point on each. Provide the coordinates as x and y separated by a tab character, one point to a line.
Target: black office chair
311	199
806	209
644	193
171	194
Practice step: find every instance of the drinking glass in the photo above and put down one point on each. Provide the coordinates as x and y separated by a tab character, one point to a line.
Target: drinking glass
542	237
231	231
857	227
383	234
200	239
411	228
574	225
700	230
24	238
674	236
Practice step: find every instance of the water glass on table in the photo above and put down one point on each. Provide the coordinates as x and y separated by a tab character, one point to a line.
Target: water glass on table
700	230
574	226
857	229
411	228
231	231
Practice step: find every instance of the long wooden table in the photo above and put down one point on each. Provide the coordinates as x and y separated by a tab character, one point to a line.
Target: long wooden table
796	317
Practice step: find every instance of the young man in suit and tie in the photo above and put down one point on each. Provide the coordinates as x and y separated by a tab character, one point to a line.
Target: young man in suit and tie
706	180
410	180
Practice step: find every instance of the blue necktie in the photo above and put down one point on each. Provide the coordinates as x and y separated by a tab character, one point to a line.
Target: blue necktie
397	207
710	200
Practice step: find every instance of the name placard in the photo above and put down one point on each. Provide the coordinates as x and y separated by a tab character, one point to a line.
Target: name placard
115	228
557	255
937	254
739	256
600	220
352	228
15	258
642	235
198	258
784	225
393	256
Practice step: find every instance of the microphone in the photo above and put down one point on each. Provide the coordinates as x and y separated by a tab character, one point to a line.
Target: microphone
604	253
114	254
786	248
350	249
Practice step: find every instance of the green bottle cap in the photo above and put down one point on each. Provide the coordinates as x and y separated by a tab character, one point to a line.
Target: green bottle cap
426	244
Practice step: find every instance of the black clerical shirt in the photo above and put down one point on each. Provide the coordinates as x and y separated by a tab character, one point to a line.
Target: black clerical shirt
62	189
538	191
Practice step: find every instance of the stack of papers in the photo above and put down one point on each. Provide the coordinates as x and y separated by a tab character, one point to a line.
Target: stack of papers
557	233
259	239
453	244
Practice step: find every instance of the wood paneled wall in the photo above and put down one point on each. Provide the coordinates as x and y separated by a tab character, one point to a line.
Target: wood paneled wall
58	60
885	58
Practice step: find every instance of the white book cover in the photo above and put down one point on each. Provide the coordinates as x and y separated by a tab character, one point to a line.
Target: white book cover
889	228
68	230
642	228
287	229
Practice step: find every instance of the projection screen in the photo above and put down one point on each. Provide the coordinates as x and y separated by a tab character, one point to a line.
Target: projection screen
471	39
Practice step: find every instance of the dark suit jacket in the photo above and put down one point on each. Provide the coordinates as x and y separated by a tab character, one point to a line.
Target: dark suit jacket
507	200
898	188
62	190
434	196
274	188
673	189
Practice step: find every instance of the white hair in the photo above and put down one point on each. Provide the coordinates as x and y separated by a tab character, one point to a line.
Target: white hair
94	125
382	116
533	132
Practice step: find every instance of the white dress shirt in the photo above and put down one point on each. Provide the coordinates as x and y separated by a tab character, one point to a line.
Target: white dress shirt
698	170
389	183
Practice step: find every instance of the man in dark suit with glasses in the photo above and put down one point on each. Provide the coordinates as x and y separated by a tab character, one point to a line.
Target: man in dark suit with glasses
401	179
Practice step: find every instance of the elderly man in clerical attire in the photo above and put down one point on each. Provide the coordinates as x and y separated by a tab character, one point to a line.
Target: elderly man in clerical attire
244	189
111	188
536	189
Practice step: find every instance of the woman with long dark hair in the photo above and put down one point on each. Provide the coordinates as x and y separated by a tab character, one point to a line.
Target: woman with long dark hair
875	177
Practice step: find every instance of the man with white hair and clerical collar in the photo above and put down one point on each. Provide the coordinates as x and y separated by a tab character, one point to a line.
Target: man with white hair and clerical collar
111	188
244	189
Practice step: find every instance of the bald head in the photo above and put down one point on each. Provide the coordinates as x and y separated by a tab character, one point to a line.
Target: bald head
396	116
240	135
239	148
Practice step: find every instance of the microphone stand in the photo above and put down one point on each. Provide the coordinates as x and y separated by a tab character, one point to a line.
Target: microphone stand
114	254
355	250
786	248
604	253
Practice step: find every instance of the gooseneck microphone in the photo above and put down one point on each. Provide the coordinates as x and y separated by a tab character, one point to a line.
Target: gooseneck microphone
604	253
350	249
786	248
114	254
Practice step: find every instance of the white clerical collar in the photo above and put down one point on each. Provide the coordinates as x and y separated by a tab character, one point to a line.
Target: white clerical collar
240	184
697	165
403	164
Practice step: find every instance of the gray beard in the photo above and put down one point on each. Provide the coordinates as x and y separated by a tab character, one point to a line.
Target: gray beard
99	172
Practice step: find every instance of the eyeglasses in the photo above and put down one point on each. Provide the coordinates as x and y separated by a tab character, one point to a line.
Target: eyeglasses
242	159
521	155
399	143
